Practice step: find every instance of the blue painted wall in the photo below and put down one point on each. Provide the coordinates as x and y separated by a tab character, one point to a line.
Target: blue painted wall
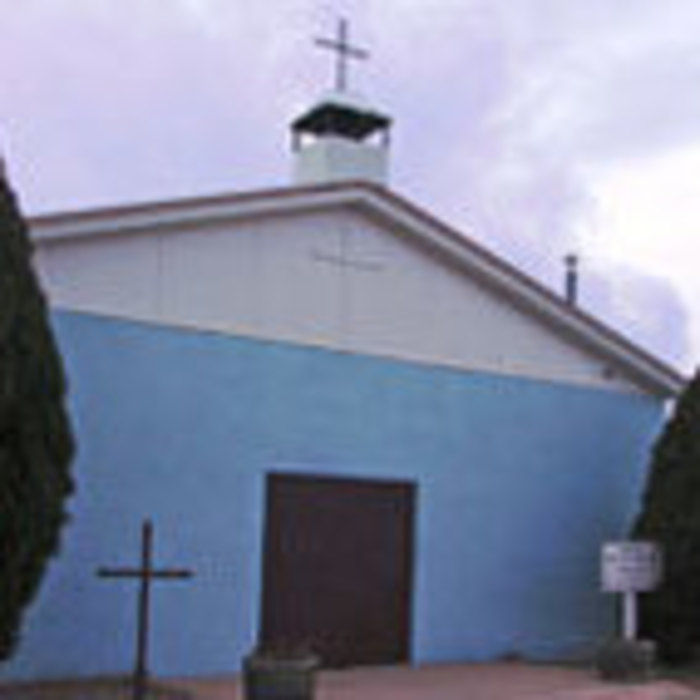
518	483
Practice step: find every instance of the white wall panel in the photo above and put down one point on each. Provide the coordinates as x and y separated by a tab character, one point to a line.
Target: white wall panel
334	279
116	275
298	292
209	278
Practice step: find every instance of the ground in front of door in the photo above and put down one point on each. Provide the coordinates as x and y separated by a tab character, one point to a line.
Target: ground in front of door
507	681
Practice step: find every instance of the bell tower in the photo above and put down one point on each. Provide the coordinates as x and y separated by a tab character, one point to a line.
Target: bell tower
341	137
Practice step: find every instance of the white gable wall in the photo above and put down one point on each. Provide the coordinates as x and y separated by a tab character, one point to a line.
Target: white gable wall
334	279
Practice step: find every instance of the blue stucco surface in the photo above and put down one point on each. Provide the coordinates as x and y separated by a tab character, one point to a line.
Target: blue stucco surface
518	482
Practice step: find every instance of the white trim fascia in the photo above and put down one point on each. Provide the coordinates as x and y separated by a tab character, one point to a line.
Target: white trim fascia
158	217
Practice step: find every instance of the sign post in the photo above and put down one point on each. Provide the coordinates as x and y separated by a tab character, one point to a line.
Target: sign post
629	568
629	615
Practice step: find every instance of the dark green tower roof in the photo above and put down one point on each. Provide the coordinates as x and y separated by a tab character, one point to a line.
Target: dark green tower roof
341	116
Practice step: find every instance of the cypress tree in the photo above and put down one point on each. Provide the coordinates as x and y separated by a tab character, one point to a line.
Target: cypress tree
36	445
671	515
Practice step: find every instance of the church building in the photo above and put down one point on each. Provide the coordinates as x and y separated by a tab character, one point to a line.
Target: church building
363	432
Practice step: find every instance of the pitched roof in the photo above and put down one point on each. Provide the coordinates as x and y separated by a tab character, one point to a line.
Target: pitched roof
377	201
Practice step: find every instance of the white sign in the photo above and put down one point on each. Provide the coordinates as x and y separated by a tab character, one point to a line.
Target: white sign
630	566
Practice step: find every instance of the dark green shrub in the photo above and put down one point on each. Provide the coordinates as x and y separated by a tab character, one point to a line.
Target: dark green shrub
671	515
36	446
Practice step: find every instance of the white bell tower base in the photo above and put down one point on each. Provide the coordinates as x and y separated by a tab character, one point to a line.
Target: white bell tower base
332	158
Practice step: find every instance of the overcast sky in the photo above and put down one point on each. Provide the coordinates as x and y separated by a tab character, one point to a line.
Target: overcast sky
538	127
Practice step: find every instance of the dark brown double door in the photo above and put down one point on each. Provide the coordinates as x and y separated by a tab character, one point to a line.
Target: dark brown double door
338	568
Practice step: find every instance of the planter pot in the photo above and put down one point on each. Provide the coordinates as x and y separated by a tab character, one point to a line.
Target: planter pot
626	660
273	677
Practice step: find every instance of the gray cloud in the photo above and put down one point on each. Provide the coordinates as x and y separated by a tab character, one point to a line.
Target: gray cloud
501	106
647	308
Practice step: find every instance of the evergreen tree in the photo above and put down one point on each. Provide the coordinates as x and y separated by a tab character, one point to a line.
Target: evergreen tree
36	446
671	516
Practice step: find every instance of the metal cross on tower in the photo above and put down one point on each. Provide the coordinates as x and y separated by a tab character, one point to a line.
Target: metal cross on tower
344	52
145	574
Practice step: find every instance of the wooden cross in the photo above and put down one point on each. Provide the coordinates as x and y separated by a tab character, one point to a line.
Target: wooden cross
145	574
345	51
